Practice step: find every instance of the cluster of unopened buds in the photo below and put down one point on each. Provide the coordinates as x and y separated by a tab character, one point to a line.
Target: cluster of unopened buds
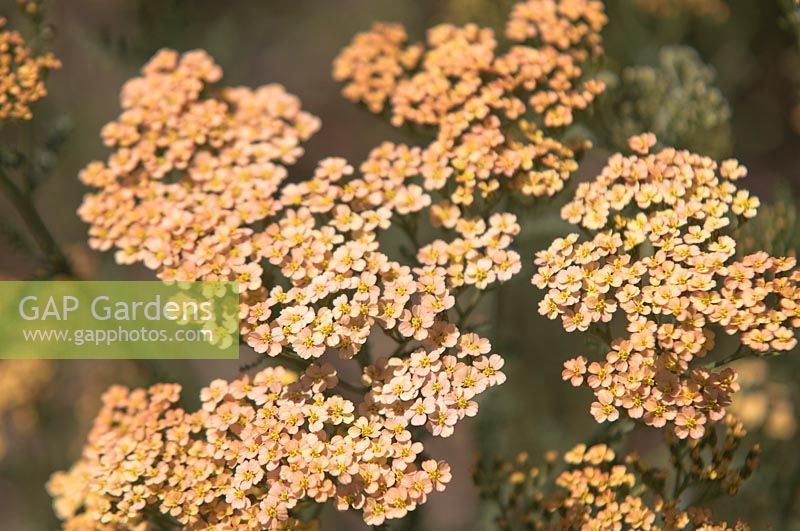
600	495
592	487
713	460
660	254
22	75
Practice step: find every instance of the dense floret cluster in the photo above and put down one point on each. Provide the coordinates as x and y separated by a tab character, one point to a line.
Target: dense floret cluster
661	255
22	75
191	168
257	449
478	100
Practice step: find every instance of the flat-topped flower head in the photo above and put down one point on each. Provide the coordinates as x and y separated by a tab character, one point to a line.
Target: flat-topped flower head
572	26
260	446
478	99
193	166
662	254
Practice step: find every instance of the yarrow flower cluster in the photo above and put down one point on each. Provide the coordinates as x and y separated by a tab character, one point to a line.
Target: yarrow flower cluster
476	98
344	288
192	167
312	277
594	488
662	257
261	447
22	75
197	188
374	63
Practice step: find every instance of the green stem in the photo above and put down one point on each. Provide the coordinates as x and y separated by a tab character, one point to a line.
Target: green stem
410	230
163	521
352	387
302	365
39	231
253	364
463	315
740	353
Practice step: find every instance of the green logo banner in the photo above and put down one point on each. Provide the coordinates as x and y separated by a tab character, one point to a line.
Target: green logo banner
119	320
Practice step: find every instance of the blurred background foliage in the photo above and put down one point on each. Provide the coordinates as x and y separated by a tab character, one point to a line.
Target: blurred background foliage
722	81
676	99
